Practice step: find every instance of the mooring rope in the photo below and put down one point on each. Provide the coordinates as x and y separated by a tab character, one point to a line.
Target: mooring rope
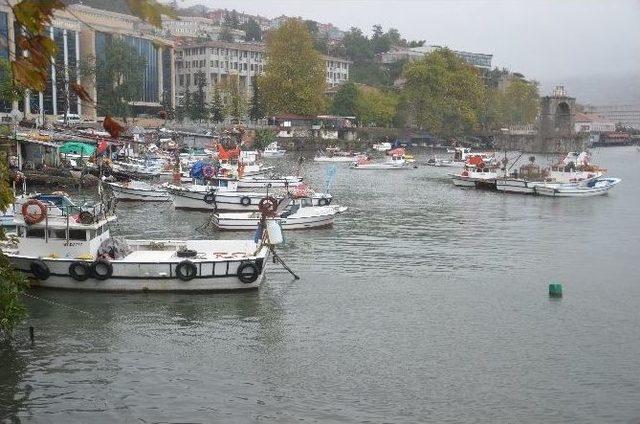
51	302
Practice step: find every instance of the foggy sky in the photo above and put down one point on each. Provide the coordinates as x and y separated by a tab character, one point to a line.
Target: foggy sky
547	40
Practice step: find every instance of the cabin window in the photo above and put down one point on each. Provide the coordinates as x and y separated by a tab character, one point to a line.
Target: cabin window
35	232
57	233
306	202
77	235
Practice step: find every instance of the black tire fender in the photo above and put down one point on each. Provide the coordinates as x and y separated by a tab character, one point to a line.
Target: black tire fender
245	201
186	270
210	198
248	272
101	269
79	271
40	270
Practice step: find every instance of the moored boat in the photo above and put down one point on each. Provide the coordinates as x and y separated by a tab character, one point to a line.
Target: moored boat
595	187
138	191
72	248
300	214
395	162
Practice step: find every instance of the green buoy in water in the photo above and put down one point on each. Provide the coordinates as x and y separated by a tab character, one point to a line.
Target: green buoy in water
555	290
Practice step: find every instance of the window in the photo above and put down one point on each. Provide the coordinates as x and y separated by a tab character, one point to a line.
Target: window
252	67
35	232
216	63
57	233
211	64
244	66
235	65
181	80
77	235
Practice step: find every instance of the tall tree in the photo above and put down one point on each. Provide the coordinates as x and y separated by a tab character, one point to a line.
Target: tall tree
444	94
199	104
294	78
234	97
374	107
252	30
357	46
216	108
256	111
119	80
521	102
231	19
344	101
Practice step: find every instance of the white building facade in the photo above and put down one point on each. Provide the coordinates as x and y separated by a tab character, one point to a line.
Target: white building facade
219	61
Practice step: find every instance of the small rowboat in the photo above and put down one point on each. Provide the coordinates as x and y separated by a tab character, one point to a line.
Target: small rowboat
596	187
139	191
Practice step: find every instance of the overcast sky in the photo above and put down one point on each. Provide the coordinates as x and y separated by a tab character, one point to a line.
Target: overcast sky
547	40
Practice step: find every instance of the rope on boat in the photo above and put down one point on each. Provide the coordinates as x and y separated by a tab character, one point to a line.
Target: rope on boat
51	302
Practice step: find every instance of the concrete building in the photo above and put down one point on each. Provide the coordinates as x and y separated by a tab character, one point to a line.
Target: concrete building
195	27
593	123
479	60
219	60
627	115
82	34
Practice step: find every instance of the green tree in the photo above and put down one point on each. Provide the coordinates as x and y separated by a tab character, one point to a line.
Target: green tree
521	102
252	30
234	97
12	283
226	35
344	101
256	111
216	108
444	94
9	91
380	42
264	137
198	110
231	19
294	77
357	46
374	107
119	79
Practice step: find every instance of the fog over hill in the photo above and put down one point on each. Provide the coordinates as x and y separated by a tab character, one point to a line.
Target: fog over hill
598	89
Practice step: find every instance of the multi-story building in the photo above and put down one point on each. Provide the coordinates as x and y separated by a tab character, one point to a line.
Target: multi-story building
479	60
82	33
219	60
196	27
593	123
627	115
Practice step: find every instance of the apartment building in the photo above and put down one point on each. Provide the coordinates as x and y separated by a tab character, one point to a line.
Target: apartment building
218	60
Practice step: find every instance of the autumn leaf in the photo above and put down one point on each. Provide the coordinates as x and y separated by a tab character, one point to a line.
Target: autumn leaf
150	11
81	92
112	126
35	15
28	75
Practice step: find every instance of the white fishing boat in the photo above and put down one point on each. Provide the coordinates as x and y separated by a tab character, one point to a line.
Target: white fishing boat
336	157
595	187
273	151
254	182
395	163
138	191
300	214
444	163
73	249
226	198
382	147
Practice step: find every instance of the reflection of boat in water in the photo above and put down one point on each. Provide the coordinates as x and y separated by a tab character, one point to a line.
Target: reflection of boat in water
64	246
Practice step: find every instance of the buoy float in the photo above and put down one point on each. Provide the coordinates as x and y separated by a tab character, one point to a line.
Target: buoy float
555	290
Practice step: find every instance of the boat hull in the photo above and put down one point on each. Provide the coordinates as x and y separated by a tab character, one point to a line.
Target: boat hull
302	223
132	194
512	185
128	276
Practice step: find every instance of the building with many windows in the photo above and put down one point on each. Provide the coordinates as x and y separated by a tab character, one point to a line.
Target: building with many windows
82	34
479	60
219	60
627	115
195	27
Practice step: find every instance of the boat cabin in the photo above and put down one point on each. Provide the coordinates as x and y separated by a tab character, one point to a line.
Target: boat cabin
52	226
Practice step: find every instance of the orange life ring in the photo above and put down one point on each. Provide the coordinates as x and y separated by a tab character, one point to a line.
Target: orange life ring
268	205
465	173
481	165
33	218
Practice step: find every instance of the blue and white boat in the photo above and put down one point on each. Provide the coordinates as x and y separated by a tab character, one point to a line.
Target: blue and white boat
595	187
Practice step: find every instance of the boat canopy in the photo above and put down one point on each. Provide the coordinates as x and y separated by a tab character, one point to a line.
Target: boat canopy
77	148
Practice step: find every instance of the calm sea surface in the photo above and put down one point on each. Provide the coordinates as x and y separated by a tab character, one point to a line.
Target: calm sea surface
424	303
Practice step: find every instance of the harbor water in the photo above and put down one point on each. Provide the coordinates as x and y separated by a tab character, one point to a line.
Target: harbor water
424	303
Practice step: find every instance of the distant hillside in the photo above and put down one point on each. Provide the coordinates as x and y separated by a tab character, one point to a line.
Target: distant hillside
599	89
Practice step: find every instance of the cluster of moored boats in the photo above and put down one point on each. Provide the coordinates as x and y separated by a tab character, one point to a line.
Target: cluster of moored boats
395	159
573	176
64	245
